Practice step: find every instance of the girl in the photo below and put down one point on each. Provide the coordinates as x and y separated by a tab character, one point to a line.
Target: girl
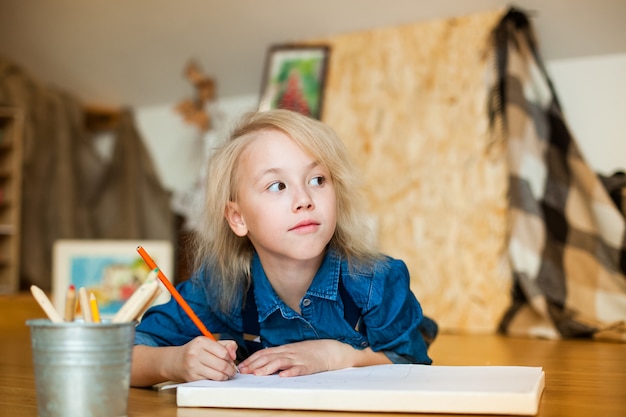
284	261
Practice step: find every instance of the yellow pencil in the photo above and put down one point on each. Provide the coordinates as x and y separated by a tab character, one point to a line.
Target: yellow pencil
93	306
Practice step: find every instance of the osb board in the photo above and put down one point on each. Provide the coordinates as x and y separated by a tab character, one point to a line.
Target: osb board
410	103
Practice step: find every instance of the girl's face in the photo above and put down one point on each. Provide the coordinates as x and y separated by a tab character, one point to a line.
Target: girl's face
286	202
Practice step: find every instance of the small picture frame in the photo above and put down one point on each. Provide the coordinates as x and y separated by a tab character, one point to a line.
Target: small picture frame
111	269
294	78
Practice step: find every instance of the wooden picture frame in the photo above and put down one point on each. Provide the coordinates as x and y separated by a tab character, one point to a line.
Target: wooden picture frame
111	269
294	78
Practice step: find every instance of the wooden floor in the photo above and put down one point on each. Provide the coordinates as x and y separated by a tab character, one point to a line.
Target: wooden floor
583	378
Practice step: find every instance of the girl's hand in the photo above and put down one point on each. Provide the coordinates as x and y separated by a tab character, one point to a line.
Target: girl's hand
308	357
201	358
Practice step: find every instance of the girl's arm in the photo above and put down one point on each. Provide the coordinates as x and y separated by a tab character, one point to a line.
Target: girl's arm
201	358
309	357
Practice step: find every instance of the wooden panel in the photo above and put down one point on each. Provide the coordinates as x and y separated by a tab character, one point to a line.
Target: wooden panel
410	103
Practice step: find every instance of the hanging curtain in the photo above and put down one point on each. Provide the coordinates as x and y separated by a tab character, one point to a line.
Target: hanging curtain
566	236
129	201
68	190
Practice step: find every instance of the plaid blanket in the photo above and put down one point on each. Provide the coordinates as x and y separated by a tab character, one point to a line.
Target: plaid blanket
567	239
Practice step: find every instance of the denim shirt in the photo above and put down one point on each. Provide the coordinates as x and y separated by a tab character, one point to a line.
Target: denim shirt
390	313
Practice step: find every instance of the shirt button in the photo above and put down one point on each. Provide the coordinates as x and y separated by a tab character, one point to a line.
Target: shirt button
364	344
306	302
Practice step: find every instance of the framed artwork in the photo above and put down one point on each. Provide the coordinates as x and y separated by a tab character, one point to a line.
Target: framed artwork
111	269
294	78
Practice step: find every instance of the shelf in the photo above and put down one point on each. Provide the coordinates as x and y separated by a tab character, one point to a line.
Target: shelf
11	139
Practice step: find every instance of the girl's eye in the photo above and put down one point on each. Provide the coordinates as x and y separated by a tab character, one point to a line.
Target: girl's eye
318	181
276	186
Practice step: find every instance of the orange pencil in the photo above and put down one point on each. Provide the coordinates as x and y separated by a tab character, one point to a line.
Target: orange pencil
179	299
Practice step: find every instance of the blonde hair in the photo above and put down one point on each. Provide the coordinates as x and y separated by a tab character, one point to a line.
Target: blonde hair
226	256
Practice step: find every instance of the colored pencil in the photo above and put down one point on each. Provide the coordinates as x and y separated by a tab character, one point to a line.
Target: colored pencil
85	308
179	299
140	300
45	304
93	307
70	303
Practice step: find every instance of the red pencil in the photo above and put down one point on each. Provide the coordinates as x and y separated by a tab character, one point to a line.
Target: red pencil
179	299
70	303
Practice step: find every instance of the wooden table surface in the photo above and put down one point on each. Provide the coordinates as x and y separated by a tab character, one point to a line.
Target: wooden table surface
583	378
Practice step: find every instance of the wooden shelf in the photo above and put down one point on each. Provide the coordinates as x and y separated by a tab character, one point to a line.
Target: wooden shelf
11	142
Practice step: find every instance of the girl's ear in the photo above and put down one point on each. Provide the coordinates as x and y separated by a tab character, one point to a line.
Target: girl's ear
235	219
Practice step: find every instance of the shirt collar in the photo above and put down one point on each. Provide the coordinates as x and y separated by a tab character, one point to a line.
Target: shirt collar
325	284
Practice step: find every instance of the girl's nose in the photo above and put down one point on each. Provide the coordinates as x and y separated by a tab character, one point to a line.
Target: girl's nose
302	201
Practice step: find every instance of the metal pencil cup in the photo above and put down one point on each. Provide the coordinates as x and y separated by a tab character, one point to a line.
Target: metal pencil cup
81	369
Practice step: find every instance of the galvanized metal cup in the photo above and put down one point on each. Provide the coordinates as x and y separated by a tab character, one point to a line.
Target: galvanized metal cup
81	369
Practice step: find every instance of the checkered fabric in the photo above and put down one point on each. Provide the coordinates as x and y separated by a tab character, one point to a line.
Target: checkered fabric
567	239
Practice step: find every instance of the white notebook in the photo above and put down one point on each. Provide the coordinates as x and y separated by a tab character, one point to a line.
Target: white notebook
383	388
